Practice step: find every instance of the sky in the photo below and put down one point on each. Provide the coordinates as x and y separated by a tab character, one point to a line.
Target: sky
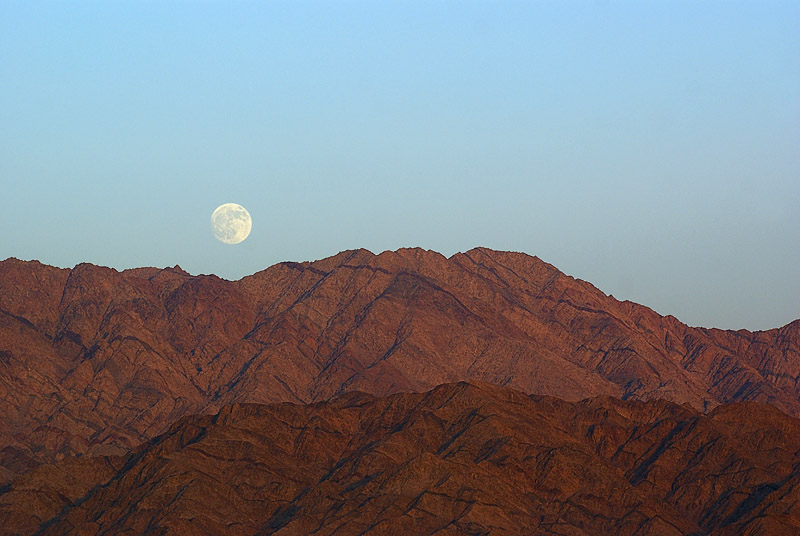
650	148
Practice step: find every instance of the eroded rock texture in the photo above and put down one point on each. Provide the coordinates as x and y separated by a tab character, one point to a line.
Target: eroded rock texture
460	459
95	361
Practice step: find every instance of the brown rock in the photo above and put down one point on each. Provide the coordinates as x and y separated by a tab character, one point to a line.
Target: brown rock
461	459
95	361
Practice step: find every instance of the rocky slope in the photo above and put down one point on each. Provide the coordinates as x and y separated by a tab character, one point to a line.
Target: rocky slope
93	360
460	459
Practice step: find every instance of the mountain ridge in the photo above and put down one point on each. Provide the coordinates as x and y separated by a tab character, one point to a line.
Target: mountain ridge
96	360
152	270
464	458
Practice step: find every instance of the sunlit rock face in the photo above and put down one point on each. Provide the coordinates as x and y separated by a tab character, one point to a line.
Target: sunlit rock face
96	361
460	459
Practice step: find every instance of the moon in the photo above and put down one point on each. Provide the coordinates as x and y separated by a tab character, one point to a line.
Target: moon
231	223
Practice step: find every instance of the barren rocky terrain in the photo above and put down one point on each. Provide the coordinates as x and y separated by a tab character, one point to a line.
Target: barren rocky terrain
153	401
96	361
460	459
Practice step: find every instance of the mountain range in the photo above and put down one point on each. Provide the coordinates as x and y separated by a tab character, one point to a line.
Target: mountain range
104	371
461	459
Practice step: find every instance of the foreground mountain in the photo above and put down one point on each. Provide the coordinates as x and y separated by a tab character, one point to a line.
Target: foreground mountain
96	361
461	459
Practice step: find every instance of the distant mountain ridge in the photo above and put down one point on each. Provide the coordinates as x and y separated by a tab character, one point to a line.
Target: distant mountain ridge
93	360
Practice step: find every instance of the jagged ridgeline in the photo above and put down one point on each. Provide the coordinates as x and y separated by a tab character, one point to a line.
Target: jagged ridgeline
96	361
93	360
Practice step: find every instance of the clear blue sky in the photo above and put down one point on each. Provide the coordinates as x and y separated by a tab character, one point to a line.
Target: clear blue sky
651	148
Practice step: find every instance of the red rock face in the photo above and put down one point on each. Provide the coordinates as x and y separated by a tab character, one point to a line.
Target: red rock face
96	361
460	459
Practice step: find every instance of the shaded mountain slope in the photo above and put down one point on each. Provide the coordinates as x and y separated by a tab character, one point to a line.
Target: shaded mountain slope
93	360
461	459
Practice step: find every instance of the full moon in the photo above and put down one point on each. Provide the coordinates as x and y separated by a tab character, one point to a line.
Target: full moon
231	223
